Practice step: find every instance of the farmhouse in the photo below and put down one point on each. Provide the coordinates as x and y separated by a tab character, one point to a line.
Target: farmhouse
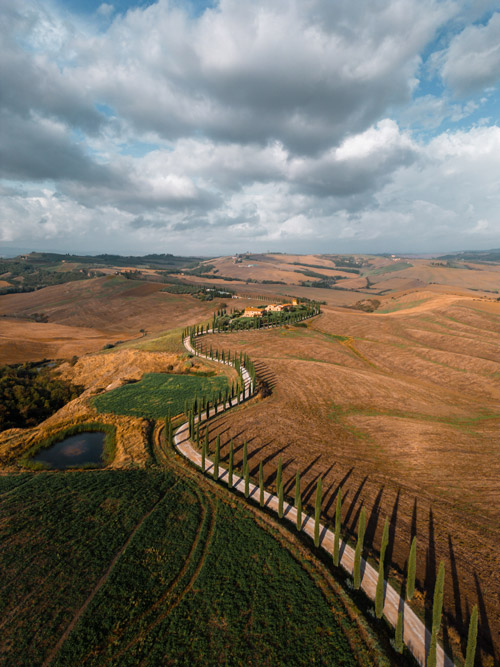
279	307
252	312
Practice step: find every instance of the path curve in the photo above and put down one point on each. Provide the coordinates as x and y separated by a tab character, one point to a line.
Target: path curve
415	635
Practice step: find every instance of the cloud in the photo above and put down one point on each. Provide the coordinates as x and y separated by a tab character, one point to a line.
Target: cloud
472	60
255	123
37	148
233	76
35	55
429	112
362	163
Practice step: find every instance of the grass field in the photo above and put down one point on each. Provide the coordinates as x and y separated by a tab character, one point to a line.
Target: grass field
215	588
158	394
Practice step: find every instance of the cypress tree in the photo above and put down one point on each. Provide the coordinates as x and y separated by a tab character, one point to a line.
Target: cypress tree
359	549
437	609
299	512
379	595
204	453
471	639
279	474
230	471
432	656
437	606
412	567
216	458
399	633
198	434
297	488
207	447
336	543
247	480
245	469
280	500
245	455
261	485
317	512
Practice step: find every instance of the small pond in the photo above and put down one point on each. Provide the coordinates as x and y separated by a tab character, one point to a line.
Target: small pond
74	451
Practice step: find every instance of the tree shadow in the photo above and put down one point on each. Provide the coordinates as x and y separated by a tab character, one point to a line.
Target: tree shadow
371	525
311	487
333	496
308	490
393	520
484	625
354	500
265	373
456	593
253	454
290	484
413	530
272	476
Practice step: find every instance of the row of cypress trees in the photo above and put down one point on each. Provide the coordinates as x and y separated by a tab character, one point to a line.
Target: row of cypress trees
220	324
380	590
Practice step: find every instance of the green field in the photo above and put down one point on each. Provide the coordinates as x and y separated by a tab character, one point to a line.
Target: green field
158	394
199	582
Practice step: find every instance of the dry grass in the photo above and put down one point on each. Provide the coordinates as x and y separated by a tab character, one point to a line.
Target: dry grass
83	316
402	411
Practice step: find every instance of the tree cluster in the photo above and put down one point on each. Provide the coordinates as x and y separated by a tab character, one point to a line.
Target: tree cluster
30	393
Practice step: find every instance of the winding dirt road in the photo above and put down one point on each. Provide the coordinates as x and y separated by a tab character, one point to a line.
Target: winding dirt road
415	635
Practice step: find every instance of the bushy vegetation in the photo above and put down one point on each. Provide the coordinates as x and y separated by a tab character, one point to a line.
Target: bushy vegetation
224	321
28	276
159	394
29	393
199	292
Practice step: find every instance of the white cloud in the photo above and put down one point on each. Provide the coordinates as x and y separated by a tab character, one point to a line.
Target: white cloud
472	60
268	123
234	76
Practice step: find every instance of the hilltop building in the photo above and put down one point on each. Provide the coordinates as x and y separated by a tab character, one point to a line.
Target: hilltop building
252	312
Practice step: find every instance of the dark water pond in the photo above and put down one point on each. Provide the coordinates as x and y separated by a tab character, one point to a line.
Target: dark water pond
74	451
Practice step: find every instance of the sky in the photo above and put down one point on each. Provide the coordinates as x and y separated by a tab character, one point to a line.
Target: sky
215	127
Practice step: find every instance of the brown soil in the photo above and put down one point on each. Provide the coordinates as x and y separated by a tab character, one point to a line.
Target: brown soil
402	411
